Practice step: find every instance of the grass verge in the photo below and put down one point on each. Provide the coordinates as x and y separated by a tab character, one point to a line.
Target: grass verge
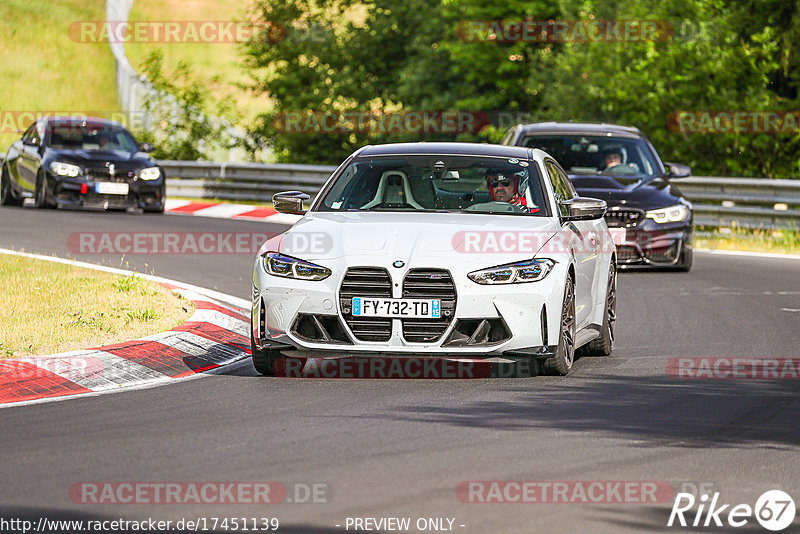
47	70
48	307
786	241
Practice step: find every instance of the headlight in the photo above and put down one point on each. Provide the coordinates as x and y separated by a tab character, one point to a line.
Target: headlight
65	169
150	173
278	264
513	273
676	213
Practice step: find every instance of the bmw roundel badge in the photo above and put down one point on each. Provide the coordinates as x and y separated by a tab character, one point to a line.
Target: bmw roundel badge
398	264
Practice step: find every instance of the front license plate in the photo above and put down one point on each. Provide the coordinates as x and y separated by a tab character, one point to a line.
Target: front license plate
413	308
111	188
619	235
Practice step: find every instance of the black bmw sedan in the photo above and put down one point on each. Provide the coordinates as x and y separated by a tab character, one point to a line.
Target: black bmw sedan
77	161
648	216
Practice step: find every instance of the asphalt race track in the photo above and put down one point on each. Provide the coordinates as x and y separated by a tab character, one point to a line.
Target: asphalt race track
400	448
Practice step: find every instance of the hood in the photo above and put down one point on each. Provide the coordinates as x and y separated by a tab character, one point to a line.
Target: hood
414	238
94	158
645	194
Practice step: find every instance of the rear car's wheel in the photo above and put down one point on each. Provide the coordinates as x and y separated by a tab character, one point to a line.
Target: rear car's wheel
687	257
561	362
603	345
263	360
7	197
41	192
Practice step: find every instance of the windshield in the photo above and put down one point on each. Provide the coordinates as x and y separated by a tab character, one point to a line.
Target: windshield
437	183
77	137
619	157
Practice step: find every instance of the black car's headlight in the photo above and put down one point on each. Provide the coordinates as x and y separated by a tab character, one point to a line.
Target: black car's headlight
150	173
278	264
676	213
514	273
65	169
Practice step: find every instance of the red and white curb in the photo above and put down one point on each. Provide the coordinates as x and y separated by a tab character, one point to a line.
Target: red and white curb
216	334
221	210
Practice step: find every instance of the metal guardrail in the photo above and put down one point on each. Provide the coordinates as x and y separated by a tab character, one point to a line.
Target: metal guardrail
747	202
242	181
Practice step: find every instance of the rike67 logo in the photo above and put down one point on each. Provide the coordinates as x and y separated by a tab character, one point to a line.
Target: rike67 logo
774	510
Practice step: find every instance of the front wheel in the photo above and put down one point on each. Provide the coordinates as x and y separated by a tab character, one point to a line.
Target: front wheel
263	360
561	362
7	197
603	345
42	201
686	260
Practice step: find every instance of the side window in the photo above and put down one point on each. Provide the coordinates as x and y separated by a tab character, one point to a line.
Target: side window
561	186
565	180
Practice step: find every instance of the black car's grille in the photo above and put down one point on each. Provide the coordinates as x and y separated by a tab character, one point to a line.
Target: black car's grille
429	284
113	200
366	282
623	218
103	174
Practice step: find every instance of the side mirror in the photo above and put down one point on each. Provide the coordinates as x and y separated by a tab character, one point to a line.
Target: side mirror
33	141
677	170
584	209
290	202
146	147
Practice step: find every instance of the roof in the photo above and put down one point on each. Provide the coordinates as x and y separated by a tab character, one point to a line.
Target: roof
92	122
587	128
466	149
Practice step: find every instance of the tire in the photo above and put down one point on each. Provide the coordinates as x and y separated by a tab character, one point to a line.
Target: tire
42	202
603	345
561	362
7	197
263	360
687	258
159	209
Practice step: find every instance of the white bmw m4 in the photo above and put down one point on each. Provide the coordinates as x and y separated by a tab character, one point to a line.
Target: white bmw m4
450	250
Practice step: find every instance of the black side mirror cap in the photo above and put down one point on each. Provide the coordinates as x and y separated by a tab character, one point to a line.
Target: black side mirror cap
677	170
147	147
584	209
290	202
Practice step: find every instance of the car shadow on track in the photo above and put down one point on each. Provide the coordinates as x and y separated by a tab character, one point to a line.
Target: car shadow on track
652	410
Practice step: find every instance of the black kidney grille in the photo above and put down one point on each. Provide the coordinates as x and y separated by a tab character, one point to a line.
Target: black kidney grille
429	284
366	282
623	218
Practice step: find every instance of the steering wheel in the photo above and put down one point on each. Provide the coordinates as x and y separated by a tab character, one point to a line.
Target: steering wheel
495	206
622	168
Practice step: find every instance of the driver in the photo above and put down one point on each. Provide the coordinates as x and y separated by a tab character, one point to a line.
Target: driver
504	187
612	158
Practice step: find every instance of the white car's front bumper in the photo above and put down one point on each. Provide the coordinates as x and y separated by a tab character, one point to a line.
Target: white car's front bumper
312	316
